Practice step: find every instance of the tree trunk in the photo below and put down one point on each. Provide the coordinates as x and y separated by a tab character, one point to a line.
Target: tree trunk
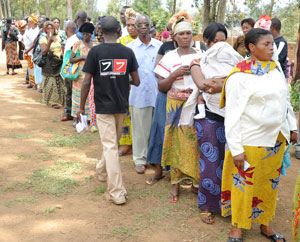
150	8
221	11
271	7
37	6
8	8
1	12
232	20
206	13
47	8
5	8
214	11
69	9
174	7
90	8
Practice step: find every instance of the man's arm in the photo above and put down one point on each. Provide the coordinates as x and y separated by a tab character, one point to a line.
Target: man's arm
85	88
135	78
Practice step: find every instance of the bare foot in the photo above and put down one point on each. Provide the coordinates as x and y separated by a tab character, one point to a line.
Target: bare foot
174	193
236	233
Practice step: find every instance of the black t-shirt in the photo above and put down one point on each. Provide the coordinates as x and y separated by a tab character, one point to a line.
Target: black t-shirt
166	47
110	65
282	57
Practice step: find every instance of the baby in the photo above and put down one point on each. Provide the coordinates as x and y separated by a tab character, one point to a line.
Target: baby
201	107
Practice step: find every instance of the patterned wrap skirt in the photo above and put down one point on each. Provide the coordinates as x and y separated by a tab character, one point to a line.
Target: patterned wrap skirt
126	136
211	138
296	211
12	56
250	196
92	105
180	148
53	90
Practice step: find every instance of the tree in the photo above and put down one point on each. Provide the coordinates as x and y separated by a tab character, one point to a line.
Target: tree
8	8
5	8
271	7
1	12
221	11
90	8
47	8
206	13
69	9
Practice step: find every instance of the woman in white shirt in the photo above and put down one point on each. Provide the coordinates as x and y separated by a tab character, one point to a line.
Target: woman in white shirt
259	120
180	145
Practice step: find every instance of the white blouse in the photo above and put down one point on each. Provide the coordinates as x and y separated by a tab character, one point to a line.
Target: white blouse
257	109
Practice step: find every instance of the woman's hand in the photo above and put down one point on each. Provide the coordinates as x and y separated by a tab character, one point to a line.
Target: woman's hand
239	161
80	111
213	85
181	71
293	137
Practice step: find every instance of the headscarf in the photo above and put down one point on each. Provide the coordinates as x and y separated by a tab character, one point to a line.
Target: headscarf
21	24
179	15
130	14
87	28
182	25
264	22
33	18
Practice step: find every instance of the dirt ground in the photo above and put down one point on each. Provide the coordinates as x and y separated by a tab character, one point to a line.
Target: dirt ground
49	192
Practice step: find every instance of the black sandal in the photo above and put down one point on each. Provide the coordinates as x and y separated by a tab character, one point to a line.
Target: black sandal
230	239
274	237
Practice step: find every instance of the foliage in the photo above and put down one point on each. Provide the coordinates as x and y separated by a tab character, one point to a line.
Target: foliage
295	95
23	201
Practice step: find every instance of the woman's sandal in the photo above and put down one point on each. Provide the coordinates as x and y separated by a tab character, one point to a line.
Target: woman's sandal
153	179
274	237
230	239
207	217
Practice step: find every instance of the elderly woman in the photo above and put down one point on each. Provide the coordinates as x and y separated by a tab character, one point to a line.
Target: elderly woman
79	53
259	120
10	44
180	150
53	86
239	45
217	62
126	138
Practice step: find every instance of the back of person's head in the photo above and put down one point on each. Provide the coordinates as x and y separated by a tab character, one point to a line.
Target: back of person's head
276	24
254	35
71	26
89	19
80	14
125	7
110	25
249	21
211	30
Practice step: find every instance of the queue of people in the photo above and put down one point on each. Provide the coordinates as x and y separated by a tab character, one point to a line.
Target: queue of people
217	117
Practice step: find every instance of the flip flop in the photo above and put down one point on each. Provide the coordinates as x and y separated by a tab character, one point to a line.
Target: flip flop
14	73
209	217
274	237
230	239
152	179
173	198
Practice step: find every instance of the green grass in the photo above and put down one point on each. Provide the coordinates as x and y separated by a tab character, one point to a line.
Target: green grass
89	178
61	140
54	120
19	136
10	204
100	190
122	232
23	156
49	210
56	180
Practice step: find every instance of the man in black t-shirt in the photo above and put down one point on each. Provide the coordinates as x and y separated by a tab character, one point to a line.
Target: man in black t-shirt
282	46
110	64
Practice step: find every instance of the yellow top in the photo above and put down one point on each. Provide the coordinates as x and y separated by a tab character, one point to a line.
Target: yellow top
125	40
55	46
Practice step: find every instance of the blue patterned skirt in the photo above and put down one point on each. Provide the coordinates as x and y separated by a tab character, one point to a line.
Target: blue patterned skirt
211	139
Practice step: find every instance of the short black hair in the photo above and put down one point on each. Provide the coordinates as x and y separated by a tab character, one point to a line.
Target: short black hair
89	18
211	30
254	35
125	7
110	25
249	21
276	24
55	18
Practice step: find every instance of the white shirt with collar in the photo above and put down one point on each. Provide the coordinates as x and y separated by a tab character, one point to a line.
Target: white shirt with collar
257	108
124	31
70	42
29	37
